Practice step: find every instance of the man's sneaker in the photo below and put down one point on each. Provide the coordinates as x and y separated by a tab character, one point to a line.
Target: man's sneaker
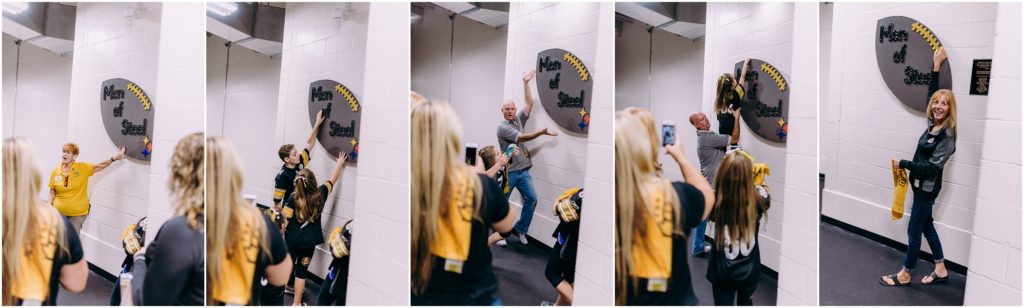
522	239
501	243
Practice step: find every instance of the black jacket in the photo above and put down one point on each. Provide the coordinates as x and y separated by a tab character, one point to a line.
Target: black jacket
933	150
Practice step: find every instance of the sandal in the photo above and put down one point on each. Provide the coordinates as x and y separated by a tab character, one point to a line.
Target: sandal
935	279
896	282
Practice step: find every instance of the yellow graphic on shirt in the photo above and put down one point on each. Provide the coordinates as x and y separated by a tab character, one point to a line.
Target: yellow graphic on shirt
652	251
455	220
238	267
899	182
72	197
33	283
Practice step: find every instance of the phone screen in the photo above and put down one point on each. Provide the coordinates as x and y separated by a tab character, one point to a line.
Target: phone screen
471	154
668	133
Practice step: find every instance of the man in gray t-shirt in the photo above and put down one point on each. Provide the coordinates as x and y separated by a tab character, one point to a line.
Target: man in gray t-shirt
511	130
711	148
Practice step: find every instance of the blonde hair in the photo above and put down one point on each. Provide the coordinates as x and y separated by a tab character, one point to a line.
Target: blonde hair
950	120
228	210
437	136
647	118
185	181
636	186
736	200
70	147
23	210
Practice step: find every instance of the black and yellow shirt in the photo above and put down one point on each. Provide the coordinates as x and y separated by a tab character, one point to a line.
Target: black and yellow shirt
305	234
284	183
476	284
40	277
244	265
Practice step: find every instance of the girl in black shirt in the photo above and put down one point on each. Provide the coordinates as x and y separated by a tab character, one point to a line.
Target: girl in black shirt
243	246
303	229
453	208
653	218
734	267
729	95
170	270
30	226
936	144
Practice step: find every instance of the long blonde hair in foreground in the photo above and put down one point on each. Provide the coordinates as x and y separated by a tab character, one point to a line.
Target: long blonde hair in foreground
23	210
636	182
437	138
736	200
647	119
227	208
186	179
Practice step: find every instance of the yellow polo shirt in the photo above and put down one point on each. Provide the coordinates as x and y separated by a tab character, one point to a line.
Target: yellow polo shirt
72	190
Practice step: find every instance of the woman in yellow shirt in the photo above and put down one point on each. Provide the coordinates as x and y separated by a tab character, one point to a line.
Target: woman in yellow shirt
69	184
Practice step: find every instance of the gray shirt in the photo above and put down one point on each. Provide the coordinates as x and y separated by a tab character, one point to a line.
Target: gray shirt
711	150
508	133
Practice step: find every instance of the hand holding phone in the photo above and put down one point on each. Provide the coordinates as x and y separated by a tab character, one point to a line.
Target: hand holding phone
471	153
668	133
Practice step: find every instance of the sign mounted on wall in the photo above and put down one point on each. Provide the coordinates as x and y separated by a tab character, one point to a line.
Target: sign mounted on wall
340	130
981	71
765	107
565	87
904	48
127	114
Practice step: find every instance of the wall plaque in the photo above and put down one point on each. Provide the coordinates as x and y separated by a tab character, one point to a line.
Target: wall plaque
981	71
127	114
340	130
565	87
766	103
904	48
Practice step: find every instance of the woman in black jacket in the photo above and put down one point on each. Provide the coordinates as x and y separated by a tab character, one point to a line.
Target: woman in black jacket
934	148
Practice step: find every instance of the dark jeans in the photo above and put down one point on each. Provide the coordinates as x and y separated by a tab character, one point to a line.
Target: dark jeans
728	295
921	222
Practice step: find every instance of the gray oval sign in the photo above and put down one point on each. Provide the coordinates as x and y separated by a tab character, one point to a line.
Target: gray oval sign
766	103
340	130
565	87
127	114
904	48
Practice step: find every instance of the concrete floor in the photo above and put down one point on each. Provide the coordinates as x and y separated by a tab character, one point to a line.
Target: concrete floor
851	266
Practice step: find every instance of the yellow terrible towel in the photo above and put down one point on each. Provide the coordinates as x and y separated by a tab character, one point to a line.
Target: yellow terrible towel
899	182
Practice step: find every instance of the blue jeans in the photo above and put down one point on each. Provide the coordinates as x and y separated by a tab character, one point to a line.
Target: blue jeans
698	238
521	179
921	222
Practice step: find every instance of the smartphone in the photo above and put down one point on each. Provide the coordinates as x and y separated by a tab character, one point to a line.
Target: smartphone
471	153
668	133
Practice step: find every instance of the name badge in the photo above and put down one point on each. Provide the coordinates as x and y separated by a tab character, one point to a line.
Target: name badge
58	179
657	285
454	266
930	140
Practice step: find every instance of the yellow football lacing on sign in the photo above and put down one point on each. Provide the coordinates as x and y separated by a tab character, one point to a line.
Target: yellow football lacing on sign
348	97
146	104
575	62
927	35
768	69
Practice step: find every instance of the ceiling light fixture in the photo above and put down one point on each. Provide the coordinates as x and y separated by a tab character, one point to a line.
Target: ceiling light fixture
15	7
222	8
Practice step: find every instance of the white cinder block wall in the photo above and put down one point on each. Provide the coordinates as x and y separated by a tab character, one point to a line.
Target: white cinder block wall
316	47
558	163
996	244
760	31
380	251
864	125
179	70
473	84
595	270
43	81
108	45
244	114
798	268
672	90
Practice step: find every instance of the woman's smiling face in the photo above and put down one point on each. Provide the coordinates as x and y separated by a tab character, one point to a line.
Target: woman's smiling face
940	109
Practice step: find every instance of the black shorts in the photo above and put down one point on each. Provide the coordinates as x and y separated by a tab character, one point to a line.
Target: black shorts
559	269
302	257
